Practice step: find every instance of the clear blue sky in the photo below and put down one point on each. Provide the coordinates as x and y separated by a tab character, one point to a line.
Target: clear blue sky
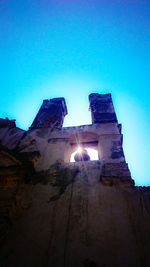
71	48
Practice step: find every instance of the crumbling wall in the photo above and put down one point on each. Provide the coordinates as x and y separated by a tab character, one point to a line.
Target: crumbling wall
58	144
10	135
51	114
74	218
61	214
12	184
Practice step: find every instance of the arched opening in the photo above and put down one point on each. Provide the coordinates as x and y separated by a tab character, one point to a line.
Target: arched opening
87	140
92	153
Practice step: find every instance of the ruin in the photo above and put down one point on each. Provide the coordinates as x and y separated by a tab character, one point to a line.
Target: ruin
59	213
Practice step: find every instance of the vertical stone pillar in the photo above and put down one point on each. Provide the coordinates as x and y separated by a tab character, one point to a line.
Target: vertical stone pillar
51	114
102	109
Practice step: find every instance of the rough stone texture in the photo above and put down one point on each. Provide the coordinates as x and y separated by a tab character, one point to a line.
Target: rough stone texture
86	223
51	114
10	135
11	178
102	108
58	144
116	173
7	123
61	214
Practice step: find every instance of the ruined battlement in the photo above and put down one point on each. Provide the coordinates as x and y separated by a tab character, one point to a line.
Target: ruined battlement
61	213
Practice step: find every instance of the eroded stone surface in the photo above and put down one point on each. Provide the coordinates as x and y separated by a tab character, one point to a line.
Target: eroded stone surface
62	214
102	108
87	223
51	114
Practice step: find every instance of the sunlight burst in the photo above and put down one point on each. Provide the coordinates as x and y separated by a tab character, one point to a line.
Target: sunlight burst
93	153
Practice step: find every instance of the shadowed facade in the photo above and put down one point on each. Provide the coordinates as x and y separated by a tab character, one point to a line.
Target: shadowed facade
54	212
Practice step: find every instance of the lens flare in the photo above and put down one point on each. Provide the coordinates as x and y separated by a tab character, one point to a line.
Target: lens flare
79	150
93	153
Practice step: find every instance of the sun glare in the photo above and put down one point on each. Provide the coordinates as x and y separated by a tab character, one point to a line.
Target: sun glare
93	153
79	150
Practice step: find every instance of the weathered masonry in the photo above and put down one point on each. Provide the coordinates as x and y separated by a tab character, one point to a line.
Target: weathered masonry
59	213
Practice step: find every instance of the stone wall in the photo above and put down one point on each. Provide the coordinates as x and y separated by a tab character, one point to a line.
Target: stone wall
58	144
62	214
69	216
10	135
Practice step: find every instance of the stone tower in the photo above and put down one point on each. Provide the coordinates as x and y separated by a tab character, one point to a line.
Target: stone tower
54	212
102	108
51	114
